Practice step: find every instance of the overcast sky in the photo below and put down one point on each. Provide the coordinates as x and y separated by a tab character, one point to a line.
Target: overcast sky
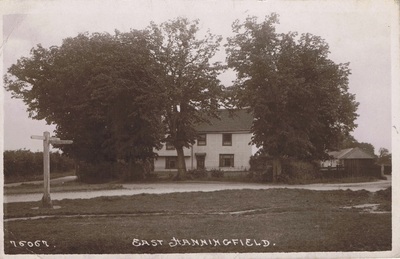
358	32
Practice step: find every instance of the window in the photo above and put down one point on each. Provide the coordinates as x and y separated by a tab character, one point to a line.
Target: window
226	160
227	139
169	146
171	162
202	140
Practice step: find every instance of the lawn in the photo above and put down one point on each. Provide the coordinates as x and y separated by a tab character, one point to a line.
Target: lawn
275	220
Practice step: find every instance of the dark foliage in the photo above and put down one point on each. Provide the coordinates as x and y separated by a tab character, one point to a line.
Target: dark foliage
102	172
197	173
298	171
260	176
216	173
298	96
99	90
259	162
25	162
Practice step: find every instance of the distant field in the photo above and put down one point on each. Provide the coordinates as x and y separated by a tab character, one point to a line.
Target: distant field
275	220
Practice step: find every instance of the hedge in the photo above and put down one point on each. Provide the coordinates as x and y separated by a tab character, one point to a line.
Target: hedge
23	162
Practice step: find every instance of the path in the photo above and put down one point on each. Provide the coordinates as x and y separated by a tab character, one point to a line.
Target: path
161	188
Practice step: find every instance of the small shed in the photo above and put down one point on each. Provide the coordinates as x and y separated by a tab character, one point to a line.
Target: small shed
355	161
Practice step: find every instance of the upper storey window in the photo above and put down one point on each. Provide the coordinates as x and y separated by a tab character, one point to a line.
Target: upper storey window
227	139
202	140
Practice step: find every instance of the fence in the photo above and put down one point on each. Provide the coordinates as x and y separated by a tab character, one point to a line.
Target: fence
334	172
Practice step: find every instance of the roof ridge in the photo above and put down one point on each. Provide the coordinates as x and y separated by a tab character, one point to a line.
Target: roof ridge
346	151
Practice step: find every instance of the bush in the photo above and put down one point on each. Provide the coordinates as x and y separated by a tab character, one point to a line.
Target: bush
197	173
260	176
259	163
151	176
107	171
217	173
298	171
60	163
94	173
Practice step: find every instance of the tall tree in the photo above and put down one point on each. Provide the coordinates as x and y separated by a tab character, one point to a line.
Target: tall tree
298	96
192	90
99	90
384	157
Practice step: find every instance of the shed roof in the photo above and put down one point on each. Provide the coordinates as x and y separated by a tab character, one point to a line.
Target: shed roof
351	153
229	121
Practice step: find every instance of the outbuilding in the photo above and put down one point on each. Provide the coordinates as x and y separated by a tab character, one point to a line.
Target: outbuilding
354	161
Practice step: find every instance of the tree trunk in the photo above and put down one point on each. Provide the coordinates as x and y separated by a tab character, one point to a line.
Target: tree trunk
181	164
276	168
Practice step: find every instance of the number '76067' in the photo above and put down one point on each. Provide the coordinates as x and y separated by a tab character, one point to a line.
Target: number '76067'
37	243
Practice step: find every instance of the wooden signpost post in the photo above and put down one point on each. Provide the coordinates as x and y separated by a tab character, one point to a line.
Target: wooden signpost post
47	140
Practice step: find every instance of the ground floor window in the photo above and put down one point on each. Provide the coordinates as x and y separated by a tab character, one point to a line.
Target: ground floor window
171	162
226	160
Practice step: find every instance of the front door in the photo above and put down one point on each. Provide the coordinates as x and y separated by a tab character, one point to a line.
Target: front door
200	162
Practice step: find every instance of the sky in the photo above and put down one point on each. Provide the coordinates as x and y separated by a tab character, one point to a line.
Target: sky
359	32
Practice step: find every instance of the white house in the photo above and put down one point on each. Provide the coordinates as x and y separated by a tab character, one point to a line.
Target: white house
222	144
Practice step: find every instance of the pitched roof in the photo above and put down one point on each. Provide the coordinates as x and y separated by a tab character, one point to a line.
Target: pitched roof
229	121
339	154
351	153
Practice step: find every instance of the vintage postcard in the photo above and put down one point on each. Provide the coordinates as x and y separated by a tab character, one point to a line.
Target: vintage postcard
182	128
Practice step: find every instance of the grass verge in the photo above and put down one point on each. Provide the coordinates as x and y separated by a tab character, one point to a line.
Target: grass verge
291	220
72	186
35	177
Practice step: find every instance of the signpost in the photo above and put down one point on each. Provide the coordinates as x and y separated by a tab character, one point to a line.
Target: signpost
47	140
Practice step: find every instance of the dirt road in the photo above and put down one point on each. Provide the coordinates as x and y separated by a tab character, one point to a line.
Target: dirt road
160	188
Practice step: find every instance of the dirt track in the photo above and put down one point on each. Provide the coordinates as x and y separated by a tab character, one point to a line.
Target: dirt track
160	188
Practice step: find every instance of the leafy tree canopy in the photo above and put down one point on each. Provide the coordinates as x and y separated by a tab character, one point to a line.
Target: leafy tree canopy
99	90
193	92
298	96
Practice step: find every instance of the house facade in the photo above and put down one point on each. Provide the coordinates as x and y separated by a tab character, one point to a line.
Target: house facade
222	144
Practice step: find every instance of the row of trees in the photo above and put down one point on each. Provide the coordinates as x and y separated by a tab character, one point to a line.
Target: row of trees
119	96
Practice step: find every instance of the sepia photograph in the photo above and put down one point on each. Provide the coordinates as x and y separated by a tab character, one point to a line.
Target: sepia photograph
201	129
